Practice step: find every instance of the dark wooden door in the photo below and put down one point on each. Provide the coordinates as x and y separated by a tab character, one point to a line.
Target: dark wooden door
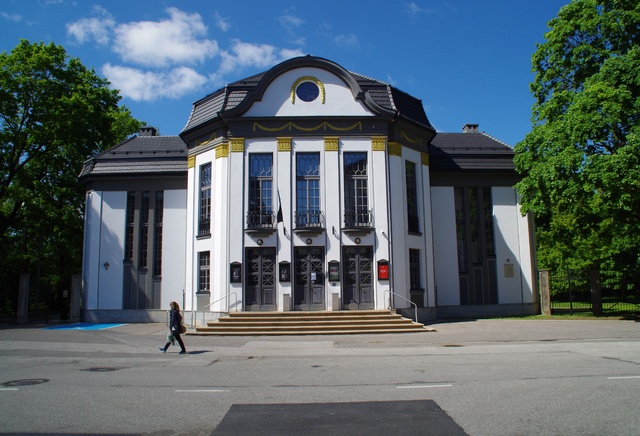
260	289
358	278
309	278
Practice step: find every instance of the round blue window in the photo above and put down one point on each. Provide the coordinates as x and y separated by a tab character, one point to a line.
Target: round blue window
307	91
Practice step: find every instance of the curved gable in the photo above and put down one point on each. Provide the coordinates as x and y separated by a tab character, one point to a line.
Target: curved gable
275	93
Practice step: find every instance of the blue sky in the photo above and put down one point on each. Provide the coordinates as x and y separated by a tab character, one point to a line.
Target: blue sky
469	61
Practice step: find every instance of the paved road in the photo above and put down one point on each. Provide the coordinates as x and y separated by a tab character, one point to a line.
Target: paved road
497	377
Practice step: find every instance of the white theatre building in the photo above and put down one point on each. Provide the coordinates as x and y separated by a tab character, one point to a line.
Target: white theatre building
306	187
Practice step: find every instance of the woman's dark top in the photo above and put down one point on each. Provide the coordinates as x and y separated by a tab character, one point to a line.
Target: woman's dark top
174	321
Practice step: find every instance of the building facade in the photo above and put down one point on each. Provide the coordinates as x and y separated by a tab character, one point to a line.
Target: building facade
307	187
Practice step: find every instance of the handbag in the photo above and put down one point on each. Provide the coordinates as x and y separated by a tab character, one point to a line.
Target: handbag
183	328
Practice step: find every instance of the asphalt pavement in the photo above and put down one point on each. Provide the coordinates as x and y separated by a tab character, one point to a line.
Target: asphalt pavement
498	377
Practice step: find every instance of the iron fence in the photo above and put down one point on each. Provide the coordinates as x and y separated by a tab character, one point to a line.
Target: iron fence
571	293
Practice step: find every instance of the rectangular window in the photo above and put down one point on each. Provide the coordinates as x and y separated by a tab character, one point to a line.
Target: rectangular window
260	212
308	212
143	249
204	278
414	269
413	222
356	202
204	221
131	213
157	233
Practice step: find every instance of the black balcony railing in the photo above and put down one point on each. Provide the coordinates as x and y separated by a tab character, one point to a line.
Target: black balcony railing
260	220
309	219
413	223
358	218
204	227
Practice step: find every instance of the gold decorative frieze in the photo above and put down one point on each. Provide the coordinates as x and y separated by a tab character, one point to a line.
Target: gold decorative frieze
378	143
414	140
425	159
284	144
237	145
292	126
307	79
331	143
191	162
222	150
395	149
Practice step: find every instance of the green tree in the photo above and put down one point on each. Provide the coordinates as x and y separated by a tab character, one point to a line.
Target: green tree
54	114
581	161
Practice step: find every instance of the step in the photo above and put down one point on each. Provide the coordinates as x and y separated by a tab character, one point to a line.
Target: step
309	323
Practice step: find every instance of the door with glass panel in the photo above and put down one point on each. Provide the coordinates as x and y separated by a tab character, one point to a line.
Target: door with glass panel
309	278
260	289
358	278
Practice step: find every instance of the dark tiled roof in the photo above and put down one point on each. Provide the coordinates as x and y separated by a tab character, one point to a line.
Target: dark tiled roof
469	151
140	155
232	95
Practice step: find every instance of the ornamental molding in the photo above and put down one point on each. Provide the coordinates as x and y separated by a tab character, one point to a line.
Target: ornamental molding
237	145
331	143
222	150
306	79
379	143
191	162
425	159
414	140
284	144
395	149
292	126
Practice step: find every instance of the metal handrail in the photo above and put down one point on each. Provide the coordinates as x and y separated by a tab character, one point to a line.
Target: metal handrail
415	306
214	302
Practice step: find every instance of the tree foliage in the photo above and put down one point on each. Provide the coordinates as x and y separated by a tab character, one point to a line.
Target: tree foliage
581	161
54	114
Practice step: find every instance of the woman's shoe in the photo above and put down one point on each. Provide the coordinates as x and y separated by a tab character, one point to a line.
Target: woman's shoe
183	352
164	350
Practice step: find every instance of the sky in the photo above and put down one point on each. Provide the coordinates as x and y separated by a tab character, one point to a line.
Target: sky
468	61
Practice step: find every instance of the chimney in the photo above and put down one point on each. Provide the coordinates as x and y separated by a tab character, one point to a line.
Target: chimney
470	128
148	131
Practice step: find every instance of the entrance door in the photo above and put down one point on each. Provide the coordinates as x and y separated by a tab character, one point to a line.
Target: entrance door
261	279
309	284
358	278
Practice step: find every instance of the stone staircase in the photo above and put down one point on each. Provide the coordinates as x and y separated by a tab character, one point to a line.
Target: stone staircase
309	323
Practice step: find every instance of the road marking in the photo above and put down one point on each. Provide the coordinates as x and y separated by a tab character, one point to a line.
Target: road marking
623	377
202	390
9	389
424	386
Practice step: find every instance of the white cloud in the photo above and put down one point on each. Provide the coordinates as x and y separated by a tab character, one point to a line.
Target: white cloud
11	17
244	54
141	85
222	23
166	42
98	28
413	10
347	41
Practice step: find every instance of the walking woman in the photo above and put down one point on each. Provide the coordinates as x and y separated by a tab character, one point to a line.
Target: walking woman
175	326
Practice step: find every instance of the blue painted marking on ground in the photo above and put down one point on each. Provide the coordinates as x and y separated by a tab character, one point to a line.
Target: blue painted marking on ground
83	326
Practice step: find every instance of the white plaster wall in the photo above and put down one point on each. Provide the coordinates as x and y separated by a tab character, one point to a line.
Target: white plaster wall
90	264
398	209
380	207
111	249
284	178
511	232
331	190
174	250
190	232
277	98
445	246
427	232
